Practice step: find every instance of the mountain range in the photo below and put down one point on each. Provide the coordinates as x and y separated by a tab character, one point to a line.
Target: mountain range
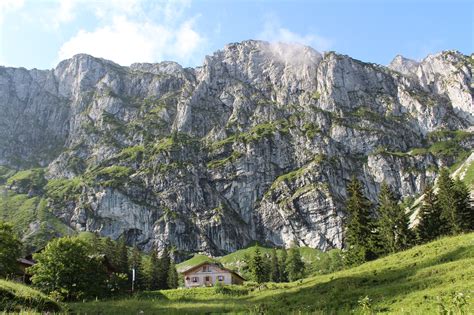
257	144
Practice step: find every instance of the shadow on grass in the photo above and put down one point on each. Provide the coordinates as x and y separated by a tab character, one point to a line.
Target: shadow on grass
342	294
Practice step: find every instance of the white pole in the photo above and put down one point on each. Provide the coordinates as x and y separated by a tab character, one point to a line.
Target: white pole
133	279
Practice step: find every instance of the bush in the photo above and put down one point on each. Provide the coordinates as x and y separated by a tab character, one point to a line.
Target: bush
67	268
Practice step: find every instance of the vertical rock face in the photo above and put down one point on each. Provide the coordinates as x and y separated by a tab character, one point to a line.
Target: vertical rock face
257	144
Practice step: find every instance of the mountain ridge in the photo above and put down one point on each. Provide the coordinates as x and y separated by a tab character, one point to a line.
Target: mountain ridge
257	144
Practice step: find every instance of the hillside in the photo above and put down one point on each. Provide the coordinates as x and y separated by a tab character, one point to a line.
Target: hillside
420	280
257	144
16	297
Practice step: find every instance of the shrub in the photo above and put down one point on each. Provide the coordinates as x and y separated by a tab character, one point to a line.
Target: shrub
67	268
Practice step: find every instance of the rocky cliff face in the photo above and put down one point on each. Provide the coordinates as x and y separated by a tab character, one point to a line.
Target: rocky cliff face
257	144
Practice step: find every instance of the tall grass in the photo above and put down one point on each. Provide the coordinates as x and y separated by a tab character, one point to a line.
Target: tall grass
16	297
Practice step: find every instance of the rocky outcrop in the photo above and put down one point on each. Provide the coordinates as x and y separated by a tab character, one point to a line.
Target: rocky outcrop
257	144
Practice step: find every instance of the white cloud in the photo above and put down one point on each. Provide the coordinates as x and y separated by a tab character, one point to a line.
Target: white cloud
173	9
187	40
273	32
65	11
126	41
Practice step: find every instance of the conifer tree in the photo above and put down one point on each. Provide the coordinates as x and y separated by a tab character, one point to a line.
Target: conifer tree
258	267
392	223
154	271
172	276
247	267
405	236
429	216
447	203
282	266
294	264
164	266
465	213
359	235
122	259
274	267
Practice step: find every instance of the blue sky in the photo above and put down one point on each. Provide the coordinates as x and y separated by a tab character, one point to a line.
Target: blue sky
40	33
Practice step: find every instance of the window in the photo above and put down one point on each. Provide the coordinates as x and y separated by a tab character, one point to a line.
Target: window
206	269
220	278
208	279
195	279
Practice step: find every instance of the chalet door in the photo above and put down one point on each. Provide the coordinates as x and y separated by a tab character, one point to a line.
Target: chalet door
207	279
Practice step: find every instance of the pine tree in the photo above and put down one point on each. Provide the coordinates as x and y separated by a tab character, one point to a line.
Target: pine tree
122	252
465	213
282	266
172	276
274	267
257	267
247	266
359	236
164	267
294	264
392	223
154	273
429	216
447	203
404	236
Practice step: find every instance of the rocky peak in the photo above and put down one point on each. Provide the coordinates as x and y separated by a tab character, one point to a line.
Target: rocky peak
403	65
165	67
81	73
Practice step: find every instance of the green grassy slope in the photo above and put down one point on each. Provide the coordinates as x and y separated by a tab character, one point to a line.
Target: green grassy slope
469	175
16	297
194	261
28	213
417	281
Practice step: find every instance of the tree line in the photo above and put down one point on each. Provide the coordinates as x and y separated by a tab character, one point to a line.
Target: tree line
375	231
288	266
72	268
